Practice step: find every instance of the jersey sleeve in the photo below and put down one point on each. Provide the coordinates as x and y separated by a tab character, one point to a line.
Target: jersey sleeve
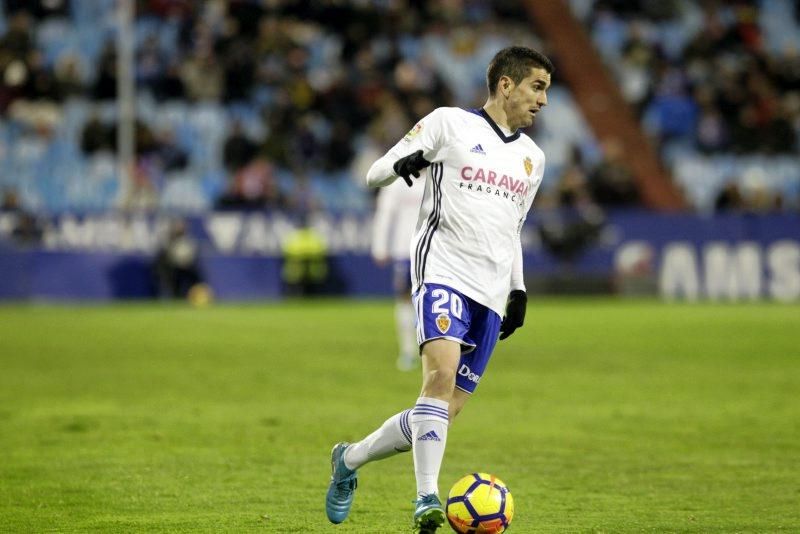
517	270
426	135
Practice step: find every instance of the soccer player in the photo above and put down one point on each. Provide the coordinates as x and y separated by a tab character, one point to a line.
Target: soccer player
396	214
481	174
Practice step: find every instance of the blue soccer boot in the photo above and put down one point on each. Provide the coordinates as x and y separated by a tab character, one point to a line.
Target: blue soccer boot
342	488
429	514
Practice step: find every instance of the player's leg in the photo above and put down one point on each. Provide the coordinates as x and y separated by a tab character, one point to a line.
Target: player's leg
476	327
392	437
431	415
342	487
457	402
395	435
429	423
431	504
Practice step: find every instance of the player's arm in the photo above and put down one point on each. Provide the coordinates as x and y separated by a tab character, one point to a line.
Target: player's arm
389	168
517	303
517	277
411	154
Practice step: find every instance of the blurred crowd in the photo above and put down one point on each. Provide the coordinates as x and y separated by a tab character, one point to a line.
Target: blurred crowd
306	94
283	104
717	86
711	78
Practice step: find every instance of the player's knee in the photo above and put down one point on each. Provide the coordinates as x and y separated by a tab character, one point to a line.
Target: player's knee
440	383
446	378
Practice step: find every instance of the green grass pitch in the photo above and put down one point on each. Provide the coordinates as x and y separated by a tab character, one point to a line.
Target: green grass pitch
600	415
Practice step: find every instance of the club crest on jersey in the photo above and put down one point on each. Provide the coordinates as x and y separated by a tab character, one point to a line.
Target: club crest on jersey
528	165
443	323
413	132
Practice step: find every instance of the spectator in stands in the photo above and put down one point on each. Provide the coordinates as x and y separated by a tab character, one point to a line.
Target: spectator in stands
253	186
167	9
729	198
711	132
170	85
237	60
26	229
780	132
14	76
15	47
303	199
17	42
69	74
37	107
10	202
237	150
636	65
389	123
569	230
145	138
39	9
97	136
170	155
717	71
41	83
757	195
746	132
672	110
318	72
305	148
202	76
150	66
573	189
105	84
338	151
611	181
142	191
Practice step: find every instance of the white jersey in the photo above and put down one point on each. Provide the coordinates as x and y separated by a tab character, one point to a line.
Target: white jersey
478	190
396	213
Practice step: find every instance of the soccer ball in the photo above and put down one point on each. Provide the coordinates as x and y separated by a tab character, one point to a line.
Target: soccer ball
479	504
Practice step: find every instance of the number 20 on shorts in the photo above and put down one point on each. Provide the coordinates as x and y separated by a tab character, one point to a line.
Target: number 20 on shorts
443	297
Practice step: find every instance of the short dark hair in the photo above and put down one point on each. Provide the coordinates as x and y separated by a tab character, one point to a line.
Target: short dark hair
515	62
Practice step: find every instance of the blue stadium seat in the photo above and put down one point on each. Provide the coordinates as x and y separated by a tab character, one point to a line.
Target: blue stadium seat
213	184
75	113
781	29
55	37
183	193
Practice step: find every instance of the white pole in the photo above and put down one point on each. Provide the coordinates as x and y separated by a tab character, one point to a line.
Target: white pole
125	98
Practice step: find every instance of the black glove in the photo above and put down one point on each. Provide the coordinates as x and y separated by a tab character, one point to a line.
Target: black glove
410	166
515	313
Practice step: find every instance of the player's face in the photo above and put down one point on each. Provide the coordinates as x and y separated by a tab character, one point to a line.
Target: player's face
527	98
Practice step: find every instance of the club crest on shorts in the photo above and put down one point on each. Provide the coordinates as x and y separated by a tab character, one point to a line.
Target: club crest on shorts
443	323
528	165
